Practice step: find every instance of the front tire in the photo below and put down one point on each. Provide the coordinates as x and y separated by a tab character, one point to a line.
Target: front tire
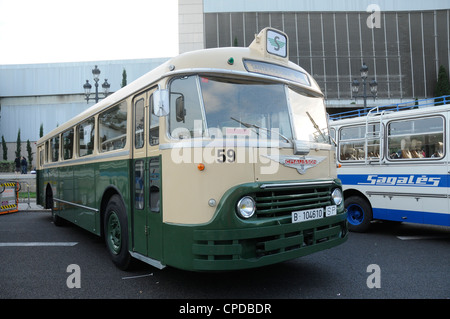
359	214
116	232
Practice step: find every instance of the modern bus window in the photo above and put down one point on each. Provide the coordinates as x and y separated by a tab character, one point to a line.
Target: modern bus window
154	125
186	118
54	146
352	143
416	138
139	136
86	134
67	144
112	125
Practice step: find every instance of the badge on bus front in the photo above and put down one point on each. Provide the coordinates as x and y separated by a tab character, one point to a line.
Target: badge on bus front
301	164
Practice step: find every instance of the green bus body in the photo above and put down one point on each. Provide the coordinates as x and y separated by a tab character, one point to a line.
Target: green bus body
225	243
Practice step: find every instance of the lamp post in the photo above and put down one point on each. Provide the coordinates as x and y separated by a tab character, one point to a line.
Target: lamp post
87	86
373	85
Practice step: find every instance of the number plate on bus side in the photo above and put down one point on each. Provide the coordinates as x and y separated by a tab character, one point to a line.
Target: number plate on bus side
311	214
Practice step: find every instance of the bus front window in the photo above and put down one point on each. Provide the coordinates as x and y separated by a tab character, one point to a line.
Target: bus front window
260	109
309	118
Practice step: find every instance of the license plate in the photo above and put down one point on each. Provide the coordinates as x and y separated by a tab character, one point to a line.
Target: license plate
312	214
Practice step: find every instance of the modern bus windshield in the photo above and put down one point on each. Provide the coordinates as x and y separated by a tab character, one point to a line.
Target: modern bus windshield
219	107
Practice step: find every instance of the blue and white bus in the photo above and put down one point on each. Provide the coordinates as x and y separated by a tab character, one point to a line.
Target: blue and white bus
393	162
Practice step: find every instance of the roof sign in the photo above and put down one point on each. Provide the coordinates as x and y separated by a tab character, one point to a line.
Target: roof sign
276	43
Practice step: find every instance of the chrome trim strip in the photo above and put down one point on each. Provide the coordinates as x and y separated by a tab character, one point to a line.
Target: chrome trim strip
148	260
86	159
74	204
415	195
269	186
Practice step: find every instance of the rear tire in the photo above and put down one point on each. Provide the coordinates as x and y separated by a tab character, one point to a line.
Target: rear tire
359	214
116	232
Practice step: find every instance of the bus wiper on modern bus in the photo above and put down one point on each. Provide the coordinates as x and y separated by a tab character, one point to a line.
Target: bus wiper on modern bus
250	125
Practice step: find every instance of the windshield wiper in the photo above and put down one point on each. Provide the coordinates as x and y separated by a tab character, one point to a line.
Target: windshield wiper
316	126
251	125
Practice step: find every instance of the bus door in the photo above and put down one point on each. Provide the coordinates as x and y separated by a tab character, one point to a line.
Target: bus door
146	216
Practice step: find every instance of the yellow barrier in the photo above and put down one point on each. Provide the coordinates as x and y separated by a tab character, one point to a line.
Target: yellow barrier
9	197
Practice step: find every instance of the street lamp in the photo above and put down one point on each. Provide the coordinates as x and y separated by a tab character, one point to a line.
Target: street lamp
87	86
373	85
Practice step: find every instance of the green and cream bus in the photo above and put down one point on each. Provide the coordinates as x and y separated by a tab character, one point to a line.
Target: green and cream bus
218	159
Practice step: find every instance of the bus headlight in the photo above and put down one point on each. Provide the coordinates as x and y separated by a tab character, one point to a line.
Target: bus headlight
246	207
337	196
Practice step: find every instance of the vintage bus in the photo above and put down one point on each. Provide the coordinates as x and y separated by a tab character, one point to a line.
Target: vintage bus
394	163
219	159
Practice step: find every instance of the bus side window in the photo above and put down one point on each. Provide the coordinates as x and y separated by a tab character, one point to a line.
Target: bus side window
155	185
67	144
139	184
154	125
139	136
55	148
416	139
184	98
86	134
352	143
112	126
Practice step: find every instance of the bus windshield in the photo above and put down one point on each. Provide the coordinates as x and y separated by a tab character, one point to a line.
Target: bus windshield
210	106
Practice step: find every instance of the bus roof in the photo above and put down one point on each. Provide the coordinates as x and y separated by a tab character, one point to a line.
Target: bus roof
404	106
257	60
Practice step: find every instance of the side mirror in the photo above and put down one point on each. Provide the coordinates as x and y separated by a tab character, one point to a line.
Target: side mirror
161	102
180	110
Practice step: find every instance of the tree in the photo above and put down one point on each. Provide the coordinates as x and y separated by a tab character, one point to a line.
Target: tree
30	153
5	149
442	85
124	77
18	145
41	130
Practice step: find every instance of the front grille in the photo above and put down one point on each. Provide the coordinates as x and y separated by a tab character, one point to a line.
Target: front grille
282	202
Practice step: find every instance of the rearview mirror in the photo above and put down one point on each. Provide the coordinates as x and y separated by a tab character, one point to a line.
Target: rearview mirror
161	102
180	110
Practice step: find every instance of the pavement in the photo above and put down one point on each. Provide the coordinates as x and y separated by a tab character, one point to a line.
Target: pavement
28	183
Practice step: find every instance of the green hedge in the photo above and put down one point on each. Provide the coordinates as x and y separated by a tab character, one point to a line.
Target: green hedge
6	166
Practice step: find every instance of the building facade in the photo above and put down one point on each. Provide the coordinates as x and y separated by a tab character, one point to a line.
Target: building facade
403	43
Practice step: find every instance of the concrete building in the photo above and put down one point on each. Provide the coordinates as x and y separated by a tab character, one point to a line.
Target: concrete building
32	95
402	42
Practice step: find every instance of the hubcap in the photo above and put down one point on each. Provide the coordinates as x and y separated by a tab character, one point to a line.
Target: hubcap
355	214
114	233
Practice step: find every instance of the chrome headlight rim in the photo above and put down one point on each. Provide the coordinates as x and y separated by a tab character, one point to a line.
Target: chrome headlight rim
337	196
246	207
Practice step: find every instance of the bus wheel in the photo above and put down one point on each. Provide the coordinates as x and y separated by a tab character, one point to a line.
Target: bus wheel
359	214
116	232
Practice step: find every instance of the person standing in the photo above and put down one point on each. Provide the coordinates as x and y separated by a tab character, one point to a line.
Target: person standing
24	163
17	163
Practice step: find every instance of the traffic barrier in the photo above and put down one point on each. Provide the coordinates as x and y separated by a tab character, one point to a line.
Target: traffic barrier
9	197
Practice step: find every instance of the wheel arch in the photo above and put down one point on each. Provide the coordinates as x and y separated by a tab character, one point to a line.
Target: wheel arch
107	194
354	192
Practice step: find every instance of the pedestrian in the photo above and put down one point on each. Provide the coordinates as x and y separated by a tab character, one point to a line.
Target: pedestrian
17	163
23	162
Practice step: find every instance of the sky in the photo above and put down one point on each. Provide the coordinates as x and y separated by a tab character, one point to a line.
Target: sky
48	31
